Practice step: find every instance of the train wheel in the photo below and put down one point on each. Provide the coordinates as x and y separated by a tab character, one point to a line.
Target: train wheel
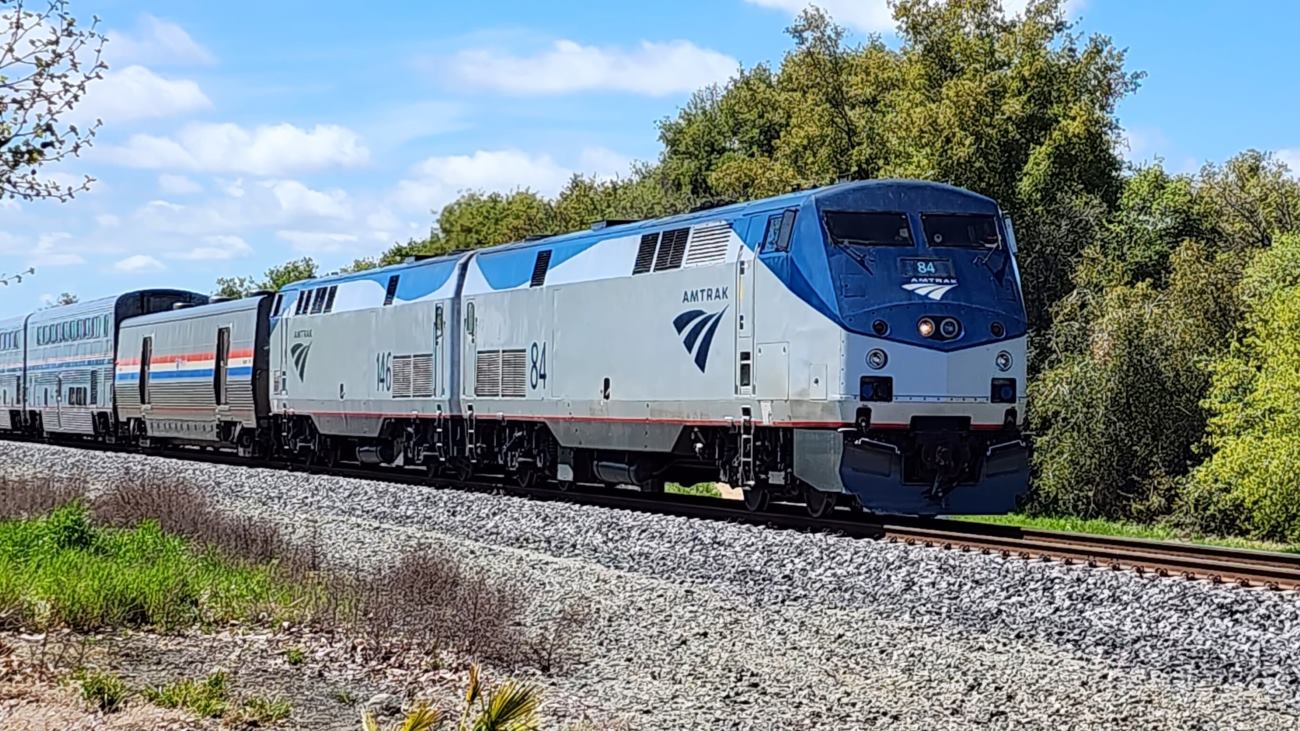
757	499
463	470
564	485
819	504
526	476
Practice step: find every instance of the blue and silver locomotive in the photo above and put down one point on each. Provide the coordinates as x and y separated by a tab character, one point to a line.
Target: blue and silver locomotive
860	344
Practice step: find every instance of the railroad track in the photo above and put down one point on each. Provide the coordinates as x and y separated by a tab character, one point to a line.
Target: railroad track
1242	567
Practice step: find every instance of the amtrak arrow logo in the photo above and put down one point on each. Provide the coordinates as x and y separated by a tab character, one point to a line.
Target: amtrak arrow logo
697	328
299	353
933	290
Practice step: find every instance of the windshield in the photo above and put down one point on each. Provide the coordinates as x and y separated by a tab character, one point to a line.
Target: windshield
961	230
868	229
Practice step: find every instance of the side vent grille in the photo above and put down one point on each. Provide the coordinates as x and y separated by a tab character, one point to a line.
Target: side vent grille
401	376
708	244
645	254
514	374
540	266
501	374
487	374
675	241
413	376
665	252
422	375
391	292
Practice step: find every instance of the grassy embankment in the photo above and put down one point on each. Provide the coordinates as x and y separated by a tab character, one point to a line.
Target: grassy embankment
1102	527
1094	526
159	558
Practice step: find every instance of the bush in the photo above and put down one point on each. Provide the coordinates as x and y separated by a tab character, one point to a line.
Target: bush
1118	413
61	571
1249	483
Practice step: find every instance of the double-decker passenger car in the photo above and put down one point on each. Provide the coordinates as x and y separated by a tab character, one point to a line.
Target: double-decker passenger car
69	360
13	347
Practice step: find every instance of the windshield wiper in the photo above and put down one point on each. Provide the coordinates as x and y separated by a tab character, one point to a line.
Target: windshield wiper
860	259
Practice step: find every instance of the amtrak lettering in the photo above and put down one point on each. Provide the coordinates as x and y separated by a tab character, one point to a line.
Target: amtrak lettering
708	294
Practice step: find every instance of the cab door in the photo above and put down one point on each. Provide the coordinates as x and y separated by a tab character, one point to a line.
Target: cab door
745	264
469	353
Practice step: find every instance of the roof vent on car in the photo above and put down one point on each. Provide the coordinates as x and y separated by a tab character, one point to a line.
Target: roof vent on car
606	223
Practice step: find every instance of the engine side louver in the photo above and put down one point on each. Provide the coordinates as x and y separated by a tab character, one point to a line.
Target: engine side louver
487	374
675	242
422	375
540	265
645	253
709	243
401	376
514	374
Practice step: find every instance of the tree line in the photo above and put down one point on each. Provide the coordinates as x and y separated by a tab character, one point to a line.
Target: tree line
1164	307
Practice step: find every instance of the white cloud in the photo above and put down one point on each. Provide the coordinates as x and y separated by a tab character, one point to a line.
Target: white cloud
297	200
108	220
439	180
138	264
269	150
875	16
1290	156
650	68
135	92
872	16
52	251
215	248
156	41
177	184
314	242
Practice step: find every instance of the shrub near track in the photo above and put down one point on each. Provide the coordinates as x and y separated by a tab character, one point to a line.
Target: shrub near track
64	571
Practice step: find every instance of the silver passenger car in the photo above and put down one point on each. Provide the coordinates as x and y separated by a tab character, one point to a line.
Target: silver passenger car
70	353
195	374
13	341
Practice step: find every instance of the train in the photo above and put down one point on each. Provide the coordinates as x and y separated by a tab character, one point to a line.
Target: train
860	345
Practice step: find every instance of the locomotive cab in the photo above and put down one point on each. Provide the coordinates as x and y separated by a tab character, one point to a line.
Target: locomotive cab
920	280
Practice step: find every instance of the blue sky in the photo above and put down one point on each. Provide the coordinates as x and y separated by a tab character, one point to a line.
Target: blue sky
239	135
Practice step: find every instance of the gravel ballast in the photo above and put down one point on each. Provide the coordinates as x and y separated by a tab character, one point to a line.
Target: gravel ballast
698	624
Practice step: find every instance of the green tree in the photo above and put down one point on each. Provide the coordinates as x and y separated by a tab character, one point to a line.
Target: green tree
1118	414
1249	483
47	63
1252	199
273	280
1021	109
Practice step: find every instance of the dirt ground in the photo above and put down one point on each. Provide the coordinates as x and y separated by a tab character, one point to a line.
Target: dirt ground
327	681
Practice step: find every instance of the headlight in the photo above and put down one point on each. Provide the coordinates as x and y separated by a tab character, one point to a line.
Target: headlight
877	358
880	327
1003	361
949	328
925	327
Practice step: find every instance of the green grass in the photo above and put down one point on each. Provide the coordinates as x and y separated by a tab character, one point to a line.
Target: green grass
295	656
259	711
1101	527
104	691
62	571
704	489
206	698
